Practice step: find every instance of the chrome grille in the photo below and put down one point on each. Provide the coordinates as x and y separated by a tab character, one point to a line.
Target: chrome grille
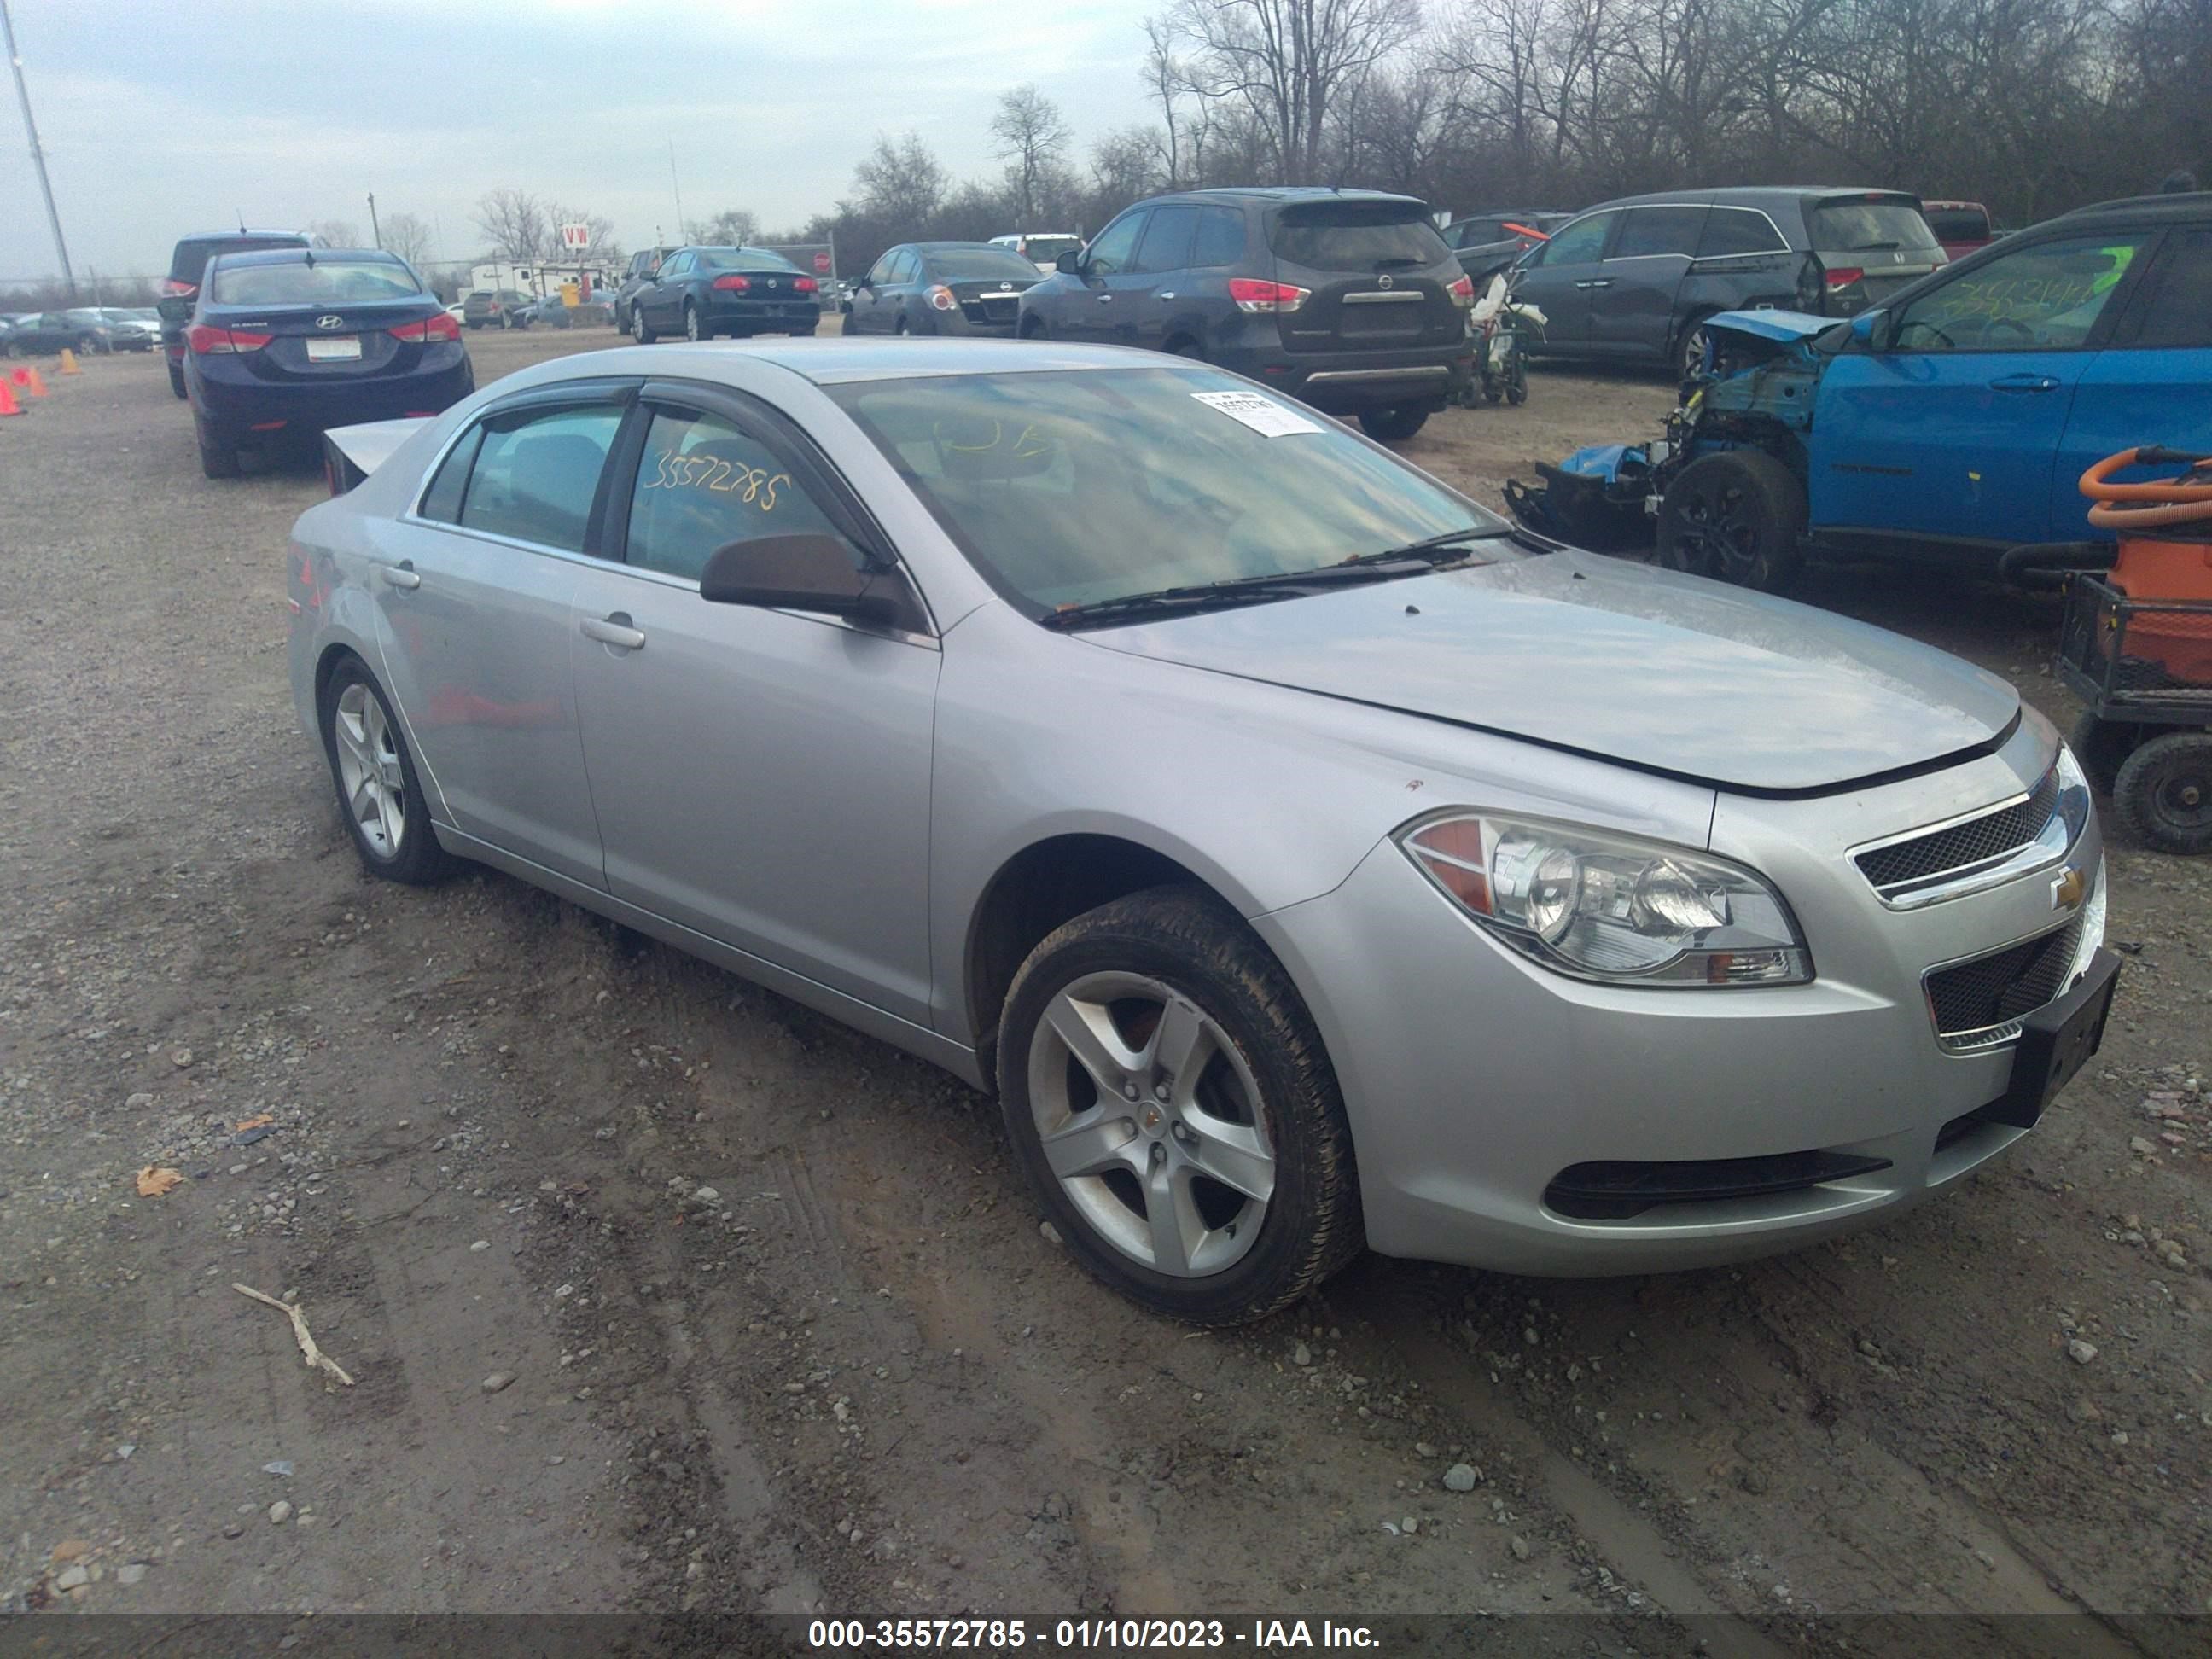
1980	839
1980	1003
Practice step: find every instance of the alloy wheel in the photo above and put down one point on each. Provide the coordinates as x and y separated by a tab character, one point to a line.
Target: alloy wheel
637	324
691	330
369	772
1719	534
1151	1120
1693	353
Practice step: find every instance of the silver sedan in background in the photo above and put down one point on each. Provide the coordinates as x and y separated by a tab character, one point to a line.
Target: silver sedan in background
1307	857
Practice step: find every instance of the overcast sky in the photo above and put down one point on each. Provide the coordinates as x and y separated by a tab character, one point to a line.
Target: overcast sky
180	117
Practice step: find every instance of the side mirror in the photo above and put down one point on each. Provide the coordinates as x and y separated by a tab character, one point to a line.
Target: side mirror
1867	331
1068	259
807	571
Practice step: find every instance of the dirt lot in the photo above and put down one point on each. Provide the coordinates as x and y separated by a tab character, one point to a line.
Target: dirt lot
780	1328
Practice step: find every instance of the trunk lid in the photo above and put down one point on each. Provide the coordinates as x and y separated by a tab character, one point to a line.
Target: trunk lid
1378	275
993	299
326	342
1668	674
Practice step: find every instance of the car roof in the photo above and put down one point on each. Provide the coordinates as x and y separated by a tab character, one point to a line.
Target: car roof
834	359
232	235
1747	196
2154	210
1282	195
931	248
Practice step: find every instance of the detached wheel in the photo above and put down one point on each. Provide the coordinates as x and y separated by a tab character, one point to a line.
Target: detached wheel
379	795
1392	426
177	381
217	460
2103	747
1168	1097
2164	793
1735	517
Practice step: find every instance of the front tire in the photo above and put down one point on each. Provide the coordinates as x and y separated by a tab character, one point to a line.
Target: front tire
1736	516
380	796
1392	426
1169	1099
2164	793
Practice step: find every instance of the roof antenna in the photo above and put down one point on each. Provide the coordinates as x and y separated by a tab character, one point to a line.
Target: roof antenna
241	221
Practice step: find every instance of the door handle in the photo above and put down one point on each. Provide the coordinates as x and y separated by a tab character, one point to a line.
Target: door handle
1105	299
614	630
1169	295
1602	281
2024	383
400	575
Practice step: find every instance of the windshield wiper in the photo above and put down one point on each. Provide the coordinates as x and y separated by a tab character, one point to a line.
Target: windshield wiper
1415	558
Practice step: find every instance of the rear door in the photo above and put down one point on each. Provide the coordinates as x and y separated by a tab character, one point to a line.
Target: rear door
2152	384
1561	277
474	596
1952	431
1378	276
1633	305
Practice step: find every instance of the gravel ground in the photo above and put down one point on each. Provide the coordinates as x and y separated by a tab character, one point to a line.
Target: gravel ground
661	1293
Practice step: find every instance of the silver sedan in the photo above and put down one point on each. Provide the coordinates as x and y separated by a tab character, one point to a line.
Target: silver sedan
1306	858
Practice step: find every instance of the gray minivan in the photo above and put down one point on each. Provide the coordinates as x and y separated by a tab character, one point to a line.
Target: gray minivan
1633	280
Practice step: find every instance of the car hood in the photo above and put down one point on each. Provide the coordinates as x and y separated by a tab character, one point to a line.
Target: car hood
1666	673
1781	325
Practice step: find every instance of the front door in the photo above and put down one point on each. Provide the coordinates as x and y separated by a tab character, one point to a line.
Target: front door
1560	278
762	776
1093	311
1950	431
474	612
1145	294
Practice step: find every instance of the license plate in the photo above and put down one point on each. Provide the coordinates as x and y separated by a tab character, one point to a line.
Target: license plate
334	348
2056	1041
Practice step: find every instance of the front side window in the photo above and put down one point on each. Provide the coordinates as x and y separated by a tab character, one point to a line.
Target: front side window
2047	297
1581	243
535	474
1070	488
704	483
1116	246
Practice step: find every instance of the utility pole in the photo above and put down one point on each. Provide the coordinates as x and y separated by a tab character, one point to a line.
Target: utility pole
38	155
682	235
375	233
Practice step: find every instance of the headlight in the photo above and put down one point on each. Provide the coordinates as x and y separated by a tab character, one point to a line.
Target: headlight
1606	907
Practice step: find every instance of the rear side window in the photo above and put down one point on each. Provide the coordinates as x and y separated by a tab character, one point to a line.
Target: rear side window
1167	239
189	263
1221	238
442	500
1739	230
1356	236
1647	231
704	483
1854	225
2180	309
534	475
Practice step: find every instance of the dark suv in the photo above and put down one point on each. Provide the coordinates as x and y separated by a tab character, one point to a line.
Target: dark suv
644	265
1632	281
180	289
1347	299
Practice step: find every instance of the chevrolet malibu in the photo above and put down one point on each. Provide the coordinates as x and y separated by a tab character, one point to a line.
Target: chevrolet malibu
1306	858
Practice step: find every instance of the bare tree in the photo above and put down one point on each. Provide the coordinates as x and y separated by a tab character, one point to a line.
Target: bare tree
599	248
409	237
731	227
1032	137
336	233
515	223
901	181
1286	62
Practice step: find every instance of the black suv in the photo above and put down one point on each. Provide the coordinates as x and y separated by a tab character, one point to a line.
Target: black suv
1632	281
180	289
1347	299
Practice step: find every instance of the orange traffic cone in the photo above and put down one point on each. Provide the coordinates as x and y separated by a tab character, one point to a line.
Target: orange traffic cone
68	363
26	380
7	404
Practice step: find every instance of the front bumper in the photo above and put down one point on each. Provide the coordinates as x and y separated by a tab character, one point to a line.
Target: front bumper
1474	1078
233	402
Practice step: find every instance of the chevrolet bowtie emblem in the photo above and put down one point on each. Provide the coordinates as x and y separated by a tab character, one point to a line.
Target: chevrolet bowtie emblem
2069	890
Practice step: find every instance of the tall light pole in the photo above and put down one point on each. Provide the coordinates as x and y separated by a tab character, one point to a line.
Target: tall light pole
681	233
38	155
375	235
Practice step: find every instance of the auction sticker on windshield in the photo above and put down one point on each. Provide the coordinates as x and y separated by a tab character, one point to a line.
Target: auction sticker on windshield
1262	414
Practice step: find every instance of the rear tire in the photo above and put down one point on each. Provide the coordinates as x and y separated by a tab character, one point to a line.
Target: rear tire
1392	426
2163	794
694	327
1225	1072
1033	328
1735	517
380	796
1690	349
217	460
640	329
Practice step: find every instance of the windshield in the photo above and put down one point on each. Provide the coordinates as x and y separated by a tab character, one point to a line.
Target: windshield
976	265
741	258
1862	226
1044	250
326	282
1072	488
